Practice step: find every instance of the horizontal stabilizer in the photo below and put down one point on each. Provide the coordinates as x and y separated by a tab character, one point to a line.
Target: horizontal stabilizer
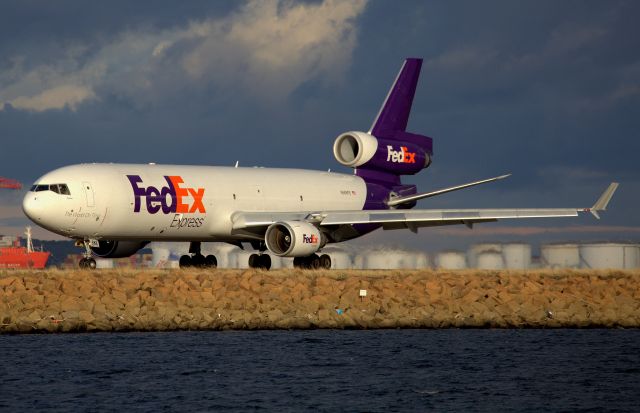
411	198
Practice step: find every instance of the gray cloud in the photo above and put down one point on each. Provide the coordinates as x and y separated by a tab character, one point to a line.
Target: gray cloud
265	49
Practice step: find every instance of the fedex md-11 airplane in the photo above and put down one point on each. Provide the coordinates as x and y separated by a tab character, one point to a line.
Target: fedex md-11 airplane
114	210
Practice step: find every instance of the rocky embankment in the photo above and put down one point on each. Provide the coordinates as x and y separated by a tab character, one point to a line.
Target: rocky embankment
154	300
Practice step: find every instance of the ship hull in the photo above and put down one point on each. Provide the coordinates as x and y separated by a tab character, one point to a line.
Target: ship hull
20	258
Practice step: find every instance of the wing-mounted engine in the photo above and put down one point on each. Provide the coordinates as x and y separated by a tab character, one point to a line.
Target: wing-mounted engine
406	154
117	249
294	239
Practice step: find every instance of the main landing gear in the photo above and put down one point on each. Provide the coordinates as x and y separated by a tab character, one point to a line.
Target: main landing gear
87	262
261	261
313	262
196	259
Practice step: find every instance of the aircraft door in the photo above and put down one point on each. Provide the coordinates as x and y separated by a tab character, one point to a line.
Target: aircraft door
88	191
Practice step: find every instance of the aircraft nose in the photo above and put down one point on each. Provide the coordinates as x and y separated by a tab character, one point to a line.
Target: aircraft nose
31	207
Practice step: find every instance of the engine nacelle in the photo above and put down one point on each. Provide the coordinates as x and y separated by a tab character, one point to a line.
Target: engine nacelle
294	239
118	249
356	149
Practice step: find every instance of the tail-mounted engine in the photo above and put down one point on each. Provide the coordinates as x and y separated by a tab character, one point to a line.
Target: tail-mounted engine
294	239
406	154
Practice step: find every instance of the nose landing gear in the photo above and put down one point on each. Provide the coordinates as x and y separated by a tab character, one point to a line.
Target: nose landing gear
87	262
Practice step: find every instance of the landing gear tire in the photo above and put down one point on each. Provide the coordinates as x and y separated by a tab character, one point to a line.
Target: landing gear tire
185	261
260	261
198	261
325	262
265	262
312	262
210	261
253	259
88	263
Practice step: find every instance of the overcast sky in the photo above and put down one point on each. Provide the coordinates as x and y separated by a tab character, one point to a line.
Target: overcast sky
546	90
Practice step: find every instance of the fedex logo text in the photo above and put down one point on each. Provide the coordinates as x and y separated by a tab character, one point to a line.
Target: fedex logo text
170	199
309	239
401	156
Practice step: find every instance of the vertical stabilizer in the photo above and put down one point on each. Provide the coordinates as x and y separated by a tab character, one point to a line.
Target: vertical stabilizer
387	151
394	113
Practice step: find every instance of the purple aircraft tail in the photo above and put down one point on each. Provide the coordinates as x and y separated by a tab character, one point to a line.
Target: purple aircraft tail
388	151
394	113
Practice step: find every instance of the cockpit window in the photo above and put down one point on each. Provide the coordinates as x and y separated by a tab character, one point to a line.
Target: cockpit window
61	189
40	188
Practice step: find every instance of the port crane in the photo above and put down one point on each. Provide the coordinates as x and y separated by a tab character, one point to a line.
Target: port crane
9	183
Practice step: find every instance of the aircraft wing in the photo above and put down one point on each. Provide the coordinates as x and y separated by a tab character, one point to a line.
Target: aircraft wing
414	218
396	219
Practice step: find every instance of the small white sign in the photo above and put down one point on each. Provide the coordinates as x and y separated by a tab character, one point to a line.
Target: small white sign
94	243
363	293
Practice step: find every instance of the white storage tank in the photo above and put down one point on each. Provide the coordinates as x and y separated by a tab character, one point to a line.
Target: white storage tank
221	251
632	256
610	255
167	254
286	262
565	255
383	260
422	260
451	260
490	260
239	258
358	262
477	249
392	259
516	255
104	263
160	254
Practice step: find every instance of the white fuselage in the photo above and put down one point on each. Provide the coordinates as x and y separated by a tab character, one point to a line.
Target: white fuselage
191	203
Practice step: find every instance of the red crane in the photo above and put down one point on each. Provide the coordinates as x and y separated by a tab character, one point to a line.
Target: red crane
9	183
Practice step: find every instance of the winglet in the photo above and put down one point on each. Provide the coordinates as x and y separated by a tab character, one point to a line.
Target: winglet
603	201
